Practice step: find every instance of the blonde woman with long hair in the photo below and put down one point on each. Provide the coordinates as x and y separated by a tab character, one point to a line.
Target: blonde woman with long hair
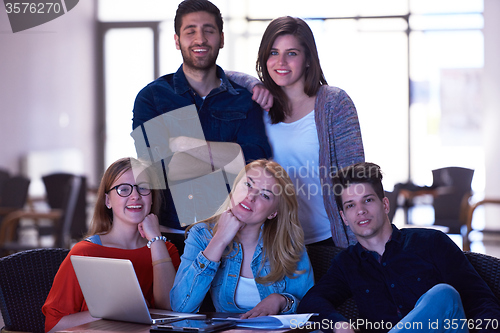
251	254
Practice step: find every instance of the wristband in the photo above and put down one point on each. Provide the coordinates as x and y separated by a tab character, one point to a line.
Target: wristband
161	261
163	238
289	303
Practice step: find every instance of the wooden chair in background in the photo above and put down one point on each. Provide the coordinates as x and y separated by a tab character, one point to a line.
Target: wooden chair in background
13	193
468	213
64	221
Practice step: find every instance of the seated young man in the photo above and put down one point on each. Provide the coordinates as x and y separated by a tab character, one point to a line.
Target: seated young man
405	280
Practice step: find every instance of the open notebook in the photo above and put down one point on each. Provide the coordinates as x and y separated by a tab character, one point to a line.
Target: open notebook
112	291
292	321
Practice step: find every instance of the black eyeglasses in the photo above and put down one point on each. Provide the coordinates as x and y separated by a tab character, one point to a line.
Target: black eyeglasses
124	190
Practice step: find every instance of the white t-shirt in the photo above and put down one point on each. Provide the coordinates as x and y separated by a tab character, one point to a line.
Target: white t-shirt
247	294
296	147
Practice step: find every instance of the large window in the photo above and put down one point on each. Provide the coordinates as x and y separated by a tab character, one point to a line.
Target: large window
128	58
447	55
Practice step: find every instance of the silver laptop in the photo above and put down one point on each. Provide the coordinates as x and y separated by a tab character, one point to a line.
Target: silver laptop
112	291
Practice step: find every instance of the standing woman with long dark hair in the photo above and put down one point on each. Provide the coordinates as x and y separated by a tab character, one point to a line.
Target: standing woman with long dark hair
313	128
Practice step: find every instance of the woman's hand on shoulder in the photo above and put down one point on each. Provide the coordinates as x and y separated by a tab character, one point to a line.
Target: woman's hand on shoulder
150	227
271	305
262	96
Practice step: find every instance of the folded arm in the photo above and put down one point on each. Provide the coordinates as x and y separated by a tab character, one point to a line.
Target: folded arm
163	266
195	273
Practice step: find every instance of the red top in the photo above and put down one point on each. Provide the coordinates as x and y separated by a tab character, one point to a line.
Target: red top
65	296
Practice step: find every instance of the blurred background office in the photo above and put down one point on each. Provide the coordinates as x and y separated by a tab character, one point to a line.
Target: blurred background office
423	74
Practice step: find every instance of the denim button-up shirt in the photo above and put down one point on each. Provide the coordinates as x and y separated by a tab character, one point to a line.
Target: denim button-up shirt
197	275
227	114
414	261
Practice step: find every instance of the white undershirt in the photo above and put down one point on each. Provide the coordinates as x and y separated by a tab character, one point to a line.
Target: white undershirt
296	147
246	295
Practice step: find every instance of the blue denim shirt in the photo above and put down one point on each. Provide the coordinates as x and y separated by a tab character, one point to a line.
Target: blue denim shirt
413	262
197	275
227	114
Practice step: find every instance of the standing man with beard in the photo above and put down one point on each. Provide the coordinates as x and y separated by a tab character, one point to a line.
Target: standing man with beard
232	125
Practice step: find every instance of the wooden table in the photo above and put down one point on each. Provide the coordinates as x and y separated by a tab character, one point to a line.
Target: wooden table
111	326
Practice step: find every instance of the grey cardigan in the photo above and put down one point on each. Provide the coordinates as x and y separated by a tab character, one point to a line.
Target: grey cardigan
340	145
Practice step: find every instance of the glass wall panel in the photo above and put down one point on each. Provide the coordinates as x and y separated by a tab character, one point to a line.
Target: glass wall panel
151	10
446	73
446	22
446	6
393	24
170	57
324	9
372	68
128	58
135	10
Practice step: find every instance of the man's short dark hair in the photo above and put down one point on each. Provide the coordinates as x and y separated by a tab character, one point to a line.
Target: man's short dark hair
359	173
193	6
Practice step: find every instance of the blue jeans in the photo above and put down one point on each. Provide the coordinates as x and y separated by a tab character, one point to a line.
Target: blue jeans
438	310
